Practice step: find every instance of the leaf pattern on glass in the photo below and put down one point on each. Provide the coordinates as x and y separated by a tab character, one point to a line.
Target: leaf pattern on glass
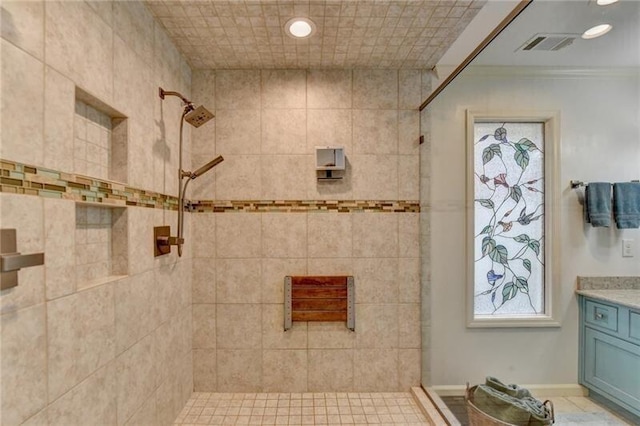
509	252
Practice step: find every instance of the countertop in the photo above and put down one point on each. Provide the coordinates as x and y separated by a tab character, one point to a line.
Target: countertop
628	298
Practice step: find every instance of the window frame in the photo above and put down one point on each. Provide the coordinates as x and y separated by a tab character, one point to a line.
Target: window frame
552	287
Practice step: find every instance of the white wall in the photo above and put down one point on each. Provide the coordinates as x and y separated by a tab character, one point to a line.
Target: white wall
600	140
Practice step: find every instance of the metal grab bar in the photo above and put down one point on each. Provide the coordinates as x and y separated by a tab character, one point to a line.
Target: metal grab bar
11	261
15	261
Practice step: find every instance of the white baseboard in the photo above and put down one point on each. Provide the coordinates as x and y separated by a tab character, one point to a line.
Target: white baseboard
558	390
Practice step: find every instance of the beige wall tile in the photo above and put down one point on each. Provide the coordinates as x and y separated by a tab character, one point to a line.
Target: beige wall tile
241	178
204	280
284	235
23	25
408	132
408	368
375	131
376	89
237	131
284	131
81	337
273	273
59	228
330	235
409	84
170	287
273	334
91	402
145	415
377	326
238	89
203	229
376	280
329	89
240	370
39	419
238	281
204	326
375	370
59	97
79	43
24	363
136	377
408	177
284	370
375	235
409	326
329	127
238	326
284	88
330	335
335	266
409	235
25	214
132	74
22	90
238	235
330	370
140	238
134	24
375	177
203	90
136	309
409	280
285	177
204	370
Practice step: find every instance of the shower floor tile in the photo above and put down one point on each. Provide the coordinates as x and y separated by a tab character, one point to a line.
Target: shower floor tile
394	408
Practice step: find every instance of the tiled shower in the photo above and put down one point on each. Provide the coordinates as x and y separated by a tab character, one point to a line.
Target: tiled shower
106	333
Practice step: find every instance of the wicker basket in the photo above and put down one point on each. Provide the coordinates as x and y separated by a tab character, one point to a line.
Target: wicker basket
478	417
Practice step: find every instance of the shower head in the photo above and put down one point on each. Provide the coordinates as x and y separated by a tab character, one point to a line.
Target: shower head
198	116
211	164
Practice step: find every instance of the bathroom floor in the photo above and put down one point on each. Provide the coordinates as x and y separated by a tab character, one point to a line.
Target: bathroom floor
396	408
570	411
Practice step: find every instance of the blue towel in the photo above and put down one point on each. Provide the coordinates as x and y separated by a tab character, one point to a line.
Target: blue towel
597	204
626	204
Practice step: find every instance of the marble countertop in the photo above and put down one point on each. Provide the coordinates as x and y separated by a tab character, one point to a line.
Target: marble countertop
629	298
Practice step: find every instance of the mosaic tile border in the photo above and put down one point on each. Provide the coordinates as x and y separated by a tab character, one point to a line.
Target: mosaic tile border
20	178
17	178
292	206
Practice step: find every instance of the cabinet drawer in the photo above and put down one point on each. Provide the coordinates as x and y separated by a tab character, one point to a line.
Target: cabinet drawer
601	315
634	325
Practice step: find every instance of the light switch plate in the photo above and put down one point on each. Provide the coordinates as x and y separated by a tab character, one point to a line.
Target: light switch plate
627	247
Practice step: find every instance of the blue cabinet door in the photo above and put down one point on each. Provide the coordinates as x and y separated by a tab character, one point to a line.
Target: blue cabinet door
612	366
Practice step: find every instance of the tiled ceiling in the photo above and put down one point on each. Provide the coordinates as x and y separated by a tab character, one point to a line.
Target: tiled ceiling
241	34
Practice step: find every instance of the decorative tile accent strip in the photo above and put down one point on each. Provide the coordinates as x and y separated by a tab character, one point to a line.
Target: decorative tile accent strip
609	283
19	178
290	206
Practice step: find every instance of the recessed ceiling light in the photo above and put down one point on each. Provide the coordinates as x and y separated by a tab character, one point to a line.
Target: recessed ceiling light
300	27
605	2
597	31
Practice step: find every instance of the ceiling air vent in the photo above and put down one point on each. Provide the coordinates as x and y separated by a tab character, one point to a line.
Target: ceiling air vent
548	42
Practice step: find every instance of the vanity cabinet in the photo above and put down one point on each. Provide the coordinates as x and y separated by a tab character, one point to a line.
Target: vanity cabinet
610	352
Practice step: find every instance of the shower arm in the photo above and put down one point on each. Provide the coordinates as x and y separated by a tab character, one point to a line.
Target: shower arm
164	93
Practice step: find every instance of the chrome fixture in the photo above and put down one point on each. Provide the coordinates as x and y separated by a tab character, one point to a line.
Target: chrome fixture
196	116
11	261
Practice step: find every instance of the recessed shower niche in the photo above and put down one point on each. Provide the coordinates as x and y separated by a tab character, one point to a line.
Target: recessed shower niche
101	244
100	139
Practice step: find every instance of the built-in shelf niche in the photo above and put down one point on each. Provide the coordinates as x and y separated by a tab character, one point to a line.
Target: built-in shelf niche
100	139
328	160
100	244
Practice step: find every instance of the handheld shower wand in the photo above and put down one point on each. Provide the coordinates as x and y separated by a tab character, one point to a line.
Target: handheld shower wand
196	117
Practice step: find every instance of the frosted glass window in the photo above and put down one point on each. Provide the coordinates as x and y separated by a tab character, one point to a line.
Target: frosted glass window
509	219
